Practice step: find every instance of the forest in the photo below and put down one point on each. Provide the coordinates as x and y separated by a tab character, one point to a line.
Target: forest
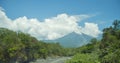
23	48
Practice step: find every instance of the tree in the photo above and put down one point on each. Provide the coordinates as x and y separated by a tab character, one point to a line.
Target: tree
116	24
109	45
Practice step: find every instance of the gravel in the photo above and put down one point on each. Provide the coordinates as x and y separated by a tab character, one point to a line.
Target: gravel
52	60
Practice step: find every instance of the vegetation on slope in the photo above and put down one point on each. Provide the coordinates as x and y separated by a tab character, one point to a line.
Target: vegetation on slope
107	50
23	48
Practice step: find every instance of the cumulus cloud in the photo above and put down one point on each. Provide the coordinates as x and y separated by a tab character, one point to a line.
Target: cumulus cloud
50	28
4	20
91	29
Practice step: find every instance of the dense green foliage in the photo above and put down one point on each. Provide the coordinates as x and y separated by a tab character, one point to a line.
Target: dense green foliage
87	54
23	48
18	47
84	58
107	50
110	44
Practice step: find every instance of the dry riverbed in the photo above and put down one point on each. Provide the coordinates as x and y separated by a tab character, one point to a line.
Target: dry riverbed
52	60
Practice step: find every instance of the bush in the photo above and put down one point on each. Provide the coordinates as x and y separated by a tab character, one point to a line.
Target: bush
84	58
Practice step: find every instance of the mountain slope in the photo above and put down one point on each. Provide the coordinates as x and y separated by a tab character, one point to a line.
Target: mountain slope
73	40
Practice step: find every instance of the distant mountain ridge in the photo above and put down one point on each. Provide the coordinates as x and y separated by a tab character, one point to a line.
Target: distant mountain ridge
73	40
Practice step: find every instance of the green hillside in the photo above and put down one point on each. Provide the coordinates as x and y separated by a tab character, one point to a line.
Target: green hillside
23	48
106	50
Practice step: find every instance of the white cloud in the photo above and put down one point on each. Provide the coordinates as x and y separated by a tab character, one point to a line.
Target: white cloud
50	28
91	29
4	20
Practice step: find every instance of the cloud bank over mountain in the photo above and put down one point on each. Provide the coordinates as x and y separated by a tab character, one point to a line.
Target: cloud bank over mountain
50	28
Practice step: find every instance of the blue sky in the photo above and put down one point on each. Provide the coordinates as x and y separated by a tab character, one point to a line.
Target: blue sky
106	10
103	11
